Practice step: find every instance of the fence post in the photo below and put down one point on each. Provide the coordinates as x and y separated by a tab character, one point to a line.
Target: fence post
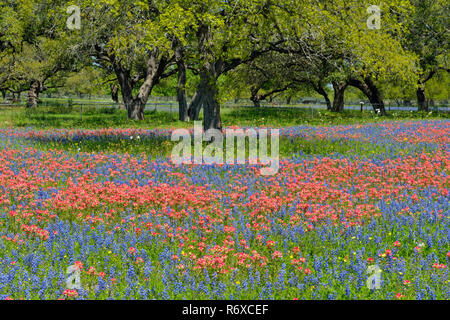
81	113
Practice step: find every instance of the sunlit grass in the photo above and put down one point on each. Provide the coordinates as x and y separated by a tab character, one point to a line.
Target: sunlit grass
74	116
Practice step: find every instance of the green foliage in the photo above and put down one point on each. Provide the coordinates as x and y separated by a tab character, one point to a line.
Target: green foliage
427	35
86	81
438	87
306	40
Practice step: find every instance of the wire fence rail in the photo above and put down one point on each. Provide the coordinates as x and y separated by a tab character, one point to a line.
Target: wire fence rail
155	102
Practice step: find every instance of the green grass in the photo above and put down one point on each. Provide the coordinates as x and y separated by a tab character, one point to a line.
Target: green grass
155	147
63	116
91	118
306	116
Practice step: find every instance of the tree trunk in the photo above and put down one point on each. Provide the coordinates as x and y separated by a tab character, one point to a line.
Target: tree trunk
114	92
421	98
256	102
181	91
327	100
154	69
420	92
320	90
375	98
181	96
288	100
369	88
255	97
135	105
4	94
131	104
33	94
211	112
195	106
211	106
210	70
136	109
16	96
338	101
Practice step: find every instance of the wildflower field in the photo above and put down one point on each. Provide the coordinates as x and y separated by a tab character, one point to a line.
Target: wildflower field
139	227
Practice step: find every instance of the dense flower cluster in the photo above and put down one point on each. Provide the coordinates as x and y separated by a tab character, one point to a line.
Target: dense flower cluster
142	228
